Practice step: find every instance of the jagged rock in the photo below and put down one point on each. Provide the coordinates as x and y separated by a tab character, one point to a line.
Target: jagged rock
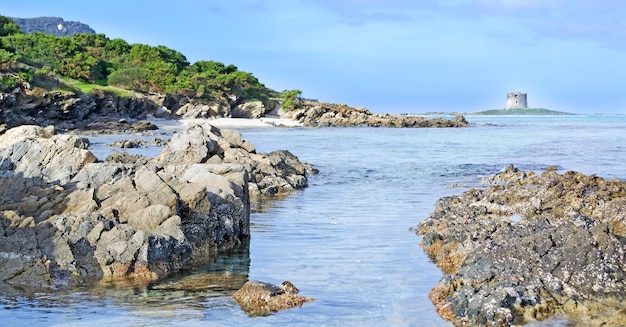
56	159
278	172
68	111
530	246
262	299
254	109
128	216
320	114
204	110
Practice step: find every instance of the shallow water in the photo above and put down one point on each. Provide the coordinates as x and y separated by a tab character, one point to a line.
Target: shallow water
346	240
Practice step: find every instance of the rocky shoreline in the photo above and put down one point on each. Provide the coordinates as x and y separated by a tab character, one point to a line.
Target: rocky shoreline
321	114
68	218
108	113
529	247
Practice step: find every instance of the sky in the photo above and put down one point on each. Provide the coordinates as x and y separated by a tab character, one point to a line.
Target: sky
393	56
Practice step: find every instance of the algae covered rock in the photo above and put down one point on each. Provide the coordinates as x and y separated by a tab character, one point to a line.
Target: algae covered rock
261	299
528	247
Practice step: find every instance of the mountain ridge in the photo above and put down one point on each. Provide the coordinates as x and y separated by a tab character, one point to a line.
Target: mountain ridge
52	25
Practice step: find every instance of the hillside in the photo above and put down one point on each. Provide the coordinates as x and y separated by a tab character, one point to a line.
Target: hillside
35	59
52	25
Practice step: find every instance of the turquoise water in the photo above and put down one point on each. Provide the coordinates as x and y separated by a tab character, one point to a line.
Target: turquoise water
346	240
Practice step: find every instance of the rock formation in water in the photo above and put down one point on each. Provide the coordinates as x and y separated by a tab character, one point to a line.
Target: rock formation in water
67	218
262	299
320	114
531	246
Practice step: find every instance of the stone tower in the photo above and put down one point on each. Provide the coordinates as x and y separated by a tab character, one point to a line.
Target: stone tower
516	100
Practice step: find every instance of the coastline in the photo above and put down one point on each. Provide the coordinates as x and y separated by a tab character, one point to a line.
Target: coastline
249	122
174	125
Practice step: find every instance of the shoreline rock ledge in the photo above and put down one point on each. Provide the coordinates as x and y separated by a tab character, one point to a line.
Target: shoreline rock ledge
67	218
530	247
322	114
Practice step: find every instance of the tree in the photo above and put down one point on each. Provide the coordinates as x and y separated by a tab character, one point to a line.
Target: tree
7	59
8	27
291	100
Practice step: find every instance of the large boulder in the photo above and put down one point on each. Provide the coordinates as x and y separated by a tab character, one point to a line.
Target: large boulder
254	109
67	218
56	159
204	110
528	247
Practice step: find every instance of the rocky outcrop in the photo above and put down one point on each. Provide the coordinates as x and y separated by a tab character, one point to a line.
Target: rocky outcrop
320	114
106	113
275	173
528	247
67	218
69	111
211	109
255	109
262	299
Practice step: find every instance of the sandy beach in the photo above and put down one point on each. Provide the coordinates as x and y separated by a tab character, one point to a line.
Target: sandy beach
228	123
238	123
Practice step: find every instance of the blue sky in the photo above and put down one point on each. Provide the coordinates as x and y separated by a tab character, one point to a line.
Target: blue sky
388	55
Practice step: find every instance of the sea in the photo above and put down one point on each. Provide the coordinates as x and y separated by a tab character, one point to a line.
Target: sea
348	240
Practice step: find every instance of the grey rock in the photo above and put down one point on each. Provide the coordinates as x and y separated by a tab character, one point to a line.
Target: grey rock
563	254
320	114
66	218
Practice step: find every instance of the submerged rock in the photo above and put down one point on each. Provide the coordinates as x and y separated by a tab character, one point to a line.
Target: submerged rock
66	218
262	299
528	247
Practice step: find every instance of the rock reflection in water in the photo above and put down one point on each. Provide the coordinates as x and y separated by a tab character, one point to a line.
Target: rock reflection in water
186	295
223	276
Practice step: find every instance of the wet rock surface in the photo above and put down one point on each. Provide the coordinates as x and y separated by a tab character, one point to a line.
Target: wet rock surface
66	218
262	299
320	114
528	247
131	144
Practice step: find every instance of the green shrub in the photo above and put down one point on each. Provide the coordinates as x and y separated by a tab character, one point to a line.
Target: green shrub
96	59
291	100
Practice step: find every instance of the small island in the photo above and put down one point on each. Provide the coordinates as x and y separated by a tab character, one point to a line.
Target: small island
516	105
519	111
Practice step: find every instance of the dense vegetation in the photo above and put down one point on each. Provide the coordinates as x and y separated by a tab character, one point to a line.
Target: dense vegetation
96	59
291	100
